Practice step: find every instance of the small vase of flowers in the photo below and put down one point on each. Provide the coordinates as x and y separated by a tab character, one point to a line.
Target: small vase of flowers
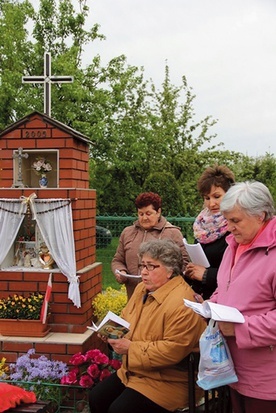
41	167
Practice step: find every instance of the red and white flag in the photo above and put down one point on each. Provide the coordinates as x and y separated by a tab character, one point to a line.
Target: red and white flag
44	308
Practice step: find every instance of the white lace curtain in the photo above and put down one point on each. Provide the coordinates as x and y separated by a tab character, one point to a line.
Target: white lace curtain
11	218
54	220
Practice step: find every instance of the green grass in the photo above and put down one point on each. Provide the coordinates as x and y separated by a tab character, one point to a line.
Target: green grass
105	256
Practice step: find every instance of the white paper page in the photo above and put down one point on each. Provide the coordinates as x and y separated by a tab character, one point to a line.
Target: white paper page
217	312
221	312
196	254
128	275
198	308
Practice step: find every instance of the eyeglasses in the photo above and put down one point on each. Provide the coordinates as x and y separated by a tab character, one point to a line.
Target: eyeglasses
149	267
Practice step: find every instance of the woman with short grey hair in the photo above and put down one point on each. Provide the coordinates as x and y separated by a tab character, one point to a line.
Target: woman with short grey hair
247	281
166	251
253	197
162	333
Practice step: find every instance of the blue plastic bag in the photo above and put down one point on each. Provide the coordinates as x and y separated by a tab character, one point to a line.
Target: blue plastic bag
216	366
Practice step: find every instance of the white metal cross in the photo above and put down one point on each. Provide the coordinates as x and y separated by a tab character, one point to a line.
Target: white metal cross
19	182
47	79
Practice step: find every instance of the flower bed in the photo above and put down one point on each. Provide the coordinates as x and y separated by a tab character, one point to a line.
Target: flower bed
66	387
90	368
20	307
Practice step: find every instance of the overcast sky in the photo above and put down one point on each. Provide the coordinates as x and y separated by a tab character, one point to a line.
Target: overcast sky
225	48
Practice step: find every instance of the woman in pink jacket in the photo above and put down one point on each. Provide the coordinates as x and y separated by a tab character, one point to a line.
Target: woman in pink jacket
247	281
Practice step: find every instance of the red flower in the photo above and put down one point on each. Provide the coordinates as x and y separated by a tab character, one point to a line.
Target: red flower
101	359
71	377
115	364
90	368
93	371
86	381
77	359
91	354
104	374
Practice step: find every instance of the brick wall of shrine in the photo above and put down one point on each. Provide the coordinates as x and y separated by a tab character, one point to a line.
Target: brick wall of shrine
65	317
39	135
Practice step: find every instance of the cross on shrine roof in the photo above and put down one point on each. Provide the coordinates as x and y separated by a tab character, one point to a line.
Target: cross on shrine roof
47	79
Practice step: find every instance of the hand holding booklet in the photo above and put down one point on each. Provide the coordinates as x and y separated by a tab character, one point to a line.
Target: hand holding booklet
112	326
217	312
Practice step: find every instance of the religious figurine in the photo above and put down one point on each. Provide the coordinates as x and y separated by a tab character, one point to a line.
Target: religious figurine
27	260
19	255
36	263
45	257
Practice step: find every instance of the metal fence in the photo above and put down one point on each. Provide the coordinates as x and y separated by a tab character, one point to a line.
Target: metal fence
116	224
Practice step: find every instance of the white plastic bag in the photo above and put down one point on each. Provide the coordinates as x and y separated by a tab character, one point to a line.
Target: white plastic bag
215	364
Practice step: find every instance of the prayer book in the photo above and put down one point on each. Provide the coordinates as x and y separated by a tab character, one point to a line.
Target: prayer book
112	326
217	312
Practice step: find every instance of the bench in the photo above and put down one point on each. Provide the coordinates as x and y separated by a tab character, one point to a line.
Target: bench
38	407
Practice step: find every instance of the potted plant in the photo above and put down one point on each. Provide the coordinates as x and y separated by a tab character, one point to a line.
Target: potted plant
20	315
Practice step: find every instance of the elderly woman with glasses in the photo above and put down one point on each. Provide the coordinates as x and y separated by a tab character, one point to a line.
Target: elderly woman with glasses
162	333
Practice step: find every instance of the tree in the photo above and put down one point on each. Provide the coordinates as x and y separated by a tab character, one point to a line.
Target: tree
165	184
138	134
262	169
156	133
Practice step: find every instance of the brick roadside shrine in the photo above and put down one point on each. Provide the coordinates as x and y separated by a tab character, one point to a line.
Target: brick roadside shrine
67	150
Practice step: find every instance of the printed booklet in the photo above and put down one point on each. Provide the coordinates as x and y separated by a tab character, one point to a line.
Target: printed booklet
112	326
217	312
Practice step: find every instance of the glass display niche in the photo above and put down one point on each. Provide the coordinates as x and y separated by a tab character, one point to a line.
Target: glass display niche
24	172
26	252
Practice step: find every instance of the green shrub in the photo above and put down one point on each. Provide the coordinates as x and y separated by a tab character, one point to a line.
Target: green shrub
109	300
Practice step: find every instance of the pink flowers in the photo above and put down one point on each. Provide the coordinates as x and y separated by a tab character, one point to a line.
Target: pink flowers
41	166
90	368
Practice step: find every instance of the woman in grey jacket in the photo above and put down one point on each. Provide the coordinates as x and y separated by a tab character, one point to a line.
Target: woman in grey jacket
150	225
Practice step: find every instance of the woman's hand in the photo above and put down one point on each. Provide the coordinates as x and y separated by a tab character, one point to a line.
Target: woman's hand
227	328
120	278
194	272
119	345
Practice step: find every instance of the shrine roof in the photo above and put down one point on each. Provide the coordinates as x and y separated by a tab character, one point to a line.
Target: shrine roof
47	119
